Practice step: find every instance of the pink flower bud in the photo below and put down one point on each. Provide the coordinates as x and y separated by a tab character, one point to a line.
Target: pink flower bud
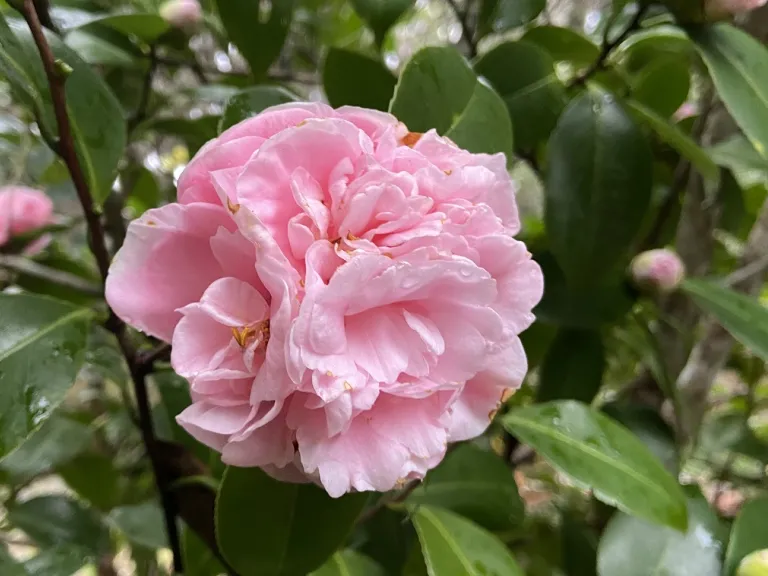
22	210
686	110
719	9
660	270
181	13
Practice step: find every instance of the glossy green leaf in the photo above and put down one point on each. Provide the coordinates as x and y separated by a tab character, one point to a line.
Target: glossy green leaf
58	561
577	307
515	13
743	316
95	114
198	558
475	484
194	132
306	525
679	140
389	538
633	547
573	367
380	15
95	479
57	441
739	155
142	524
599	453
434	88
536	340
350	78
257	29
249	102
724	435
747	535
563	44
663	86
738	64
42	345
651	429
146	26
598	187
653	44
61	521
579	547
437	89
349	563
524	76
454	545
97	51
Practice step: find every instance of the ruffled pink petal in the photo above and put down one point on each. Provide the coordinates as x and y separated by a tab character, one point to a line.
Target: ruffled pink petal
165	263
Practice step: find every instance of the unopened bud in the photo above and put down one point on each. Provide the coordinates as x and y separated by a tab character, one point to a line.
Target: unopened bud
755	564
659	270
181	13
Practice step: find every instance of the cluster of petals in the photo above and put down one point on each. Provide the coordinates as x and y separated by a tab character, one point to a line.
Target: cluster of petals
22	210
343	296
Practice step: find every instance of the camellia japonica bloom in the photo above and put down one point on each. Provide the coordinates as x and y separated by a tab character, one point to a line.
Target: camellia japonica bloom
343	296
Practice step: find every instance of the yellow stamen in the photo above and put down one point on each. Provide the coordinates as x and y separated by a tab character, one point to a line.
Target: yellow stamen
411	139
234	208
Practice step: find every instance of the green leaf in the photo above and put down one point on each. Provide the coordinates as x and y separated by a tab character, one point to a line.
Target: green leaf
598	187
724	435
42	345
747	535
95	114
437	89
475	484
57	441
633	547
579	547
198	558
142	524
95	479
738	65
194	132
146	26
60	521
454	545
349	563
484	126
597	452
350	78
678	139
650	429
508	14
306	525
524	76
646	47
579	307
573	367
380	15
563	44
249	102
389	538
739	155
663	86
60	561
257	31
98	51
744	317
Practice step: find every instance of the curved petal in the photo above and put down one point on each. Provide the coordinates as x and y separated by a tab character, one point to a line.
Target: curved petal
165	263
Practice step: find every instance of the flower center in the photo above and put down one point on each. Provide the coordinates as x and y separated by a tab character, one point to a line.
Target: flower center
245	335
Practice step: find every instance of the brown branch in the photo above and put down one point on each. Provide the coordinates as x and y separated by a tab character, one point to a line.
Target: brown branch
56	74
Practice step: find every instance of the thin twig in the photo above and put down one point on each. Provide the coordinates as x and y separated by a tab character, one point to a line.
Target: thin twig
59	277
463	17
746	272
56	75
609	45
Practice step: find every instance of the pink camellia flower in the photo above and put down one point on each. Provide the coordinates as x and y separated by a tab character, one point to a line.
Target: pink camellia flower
659	269
719	9
181	13
22	210
344	296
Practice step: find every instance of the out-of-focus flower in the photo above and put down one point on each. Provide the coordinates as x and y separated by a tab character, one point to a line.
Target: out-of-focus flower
343	295
22	210
660	270
755	564
686	110
181	13
719	9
